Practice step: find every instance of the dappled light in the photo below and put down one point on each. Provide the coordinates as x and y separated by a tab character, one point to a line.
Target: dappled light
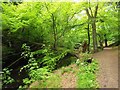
59	44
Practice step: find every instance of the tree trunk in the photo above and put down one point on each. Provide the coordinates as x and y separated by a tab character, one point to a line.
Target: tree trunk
93	18
55	42
95	45
105	40
54	33
88	38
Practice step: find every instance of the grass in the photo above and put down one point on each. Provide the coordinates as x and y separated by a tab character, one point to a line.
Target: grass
65	70
52	82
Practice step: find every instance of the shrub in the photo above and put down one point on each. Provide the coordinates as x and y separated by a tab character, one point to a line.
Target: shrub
35	71
6	78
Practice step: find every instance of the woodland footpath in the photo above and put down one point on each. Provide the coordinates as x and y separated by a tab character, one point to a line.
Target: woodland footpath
59	44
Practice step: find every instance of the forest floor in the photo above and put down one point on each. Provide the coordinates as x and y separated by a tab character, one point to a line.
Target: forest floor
68	76
107	76
108	72
64	77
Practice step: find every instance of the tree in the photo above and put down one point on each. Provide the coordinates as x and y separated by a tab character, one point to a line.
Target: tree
107	22
92	16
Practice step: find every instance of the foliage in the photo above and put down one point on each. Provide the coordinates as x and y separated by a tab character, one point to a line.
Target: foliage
46	27
37	74
6	78
84	57
87	80
48	61
87	73
87	76
34	72
70	21
32	64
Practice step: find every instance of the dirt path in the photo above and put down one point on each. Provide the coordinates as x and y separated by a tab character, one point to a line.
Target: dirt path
108	74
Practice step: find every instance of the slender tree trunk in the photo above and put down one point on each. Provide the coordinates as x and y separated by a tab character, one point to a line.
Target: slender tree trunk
95	45
88	37
54	33
105	40
55	41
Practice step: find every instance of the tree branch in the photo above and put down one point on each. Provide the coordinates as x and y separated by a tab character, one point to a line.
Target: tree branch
87	12
15	61
91	11
96	9
73	15
76	25
70	28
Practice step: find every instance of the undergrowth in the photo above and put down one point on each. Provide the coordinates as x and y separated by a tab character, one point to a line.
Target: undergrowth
86	77
40	68
52	82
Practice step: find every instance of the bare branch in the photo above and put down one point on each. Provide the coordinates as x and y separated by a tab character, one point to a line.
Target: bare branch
96	9
91	11
69	27
74	15
87	12
47	8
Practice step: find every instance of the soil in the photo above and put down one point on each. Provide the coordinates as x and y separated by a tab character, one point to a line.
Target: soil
108	72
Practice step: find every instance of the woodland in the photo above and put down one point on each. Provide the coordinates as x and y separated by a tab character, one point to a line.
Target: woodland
39	38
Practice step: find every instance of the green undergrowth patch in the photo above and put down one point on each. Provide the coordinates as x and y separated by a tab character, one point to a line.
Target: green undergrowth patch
52	82
66	70
86	77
